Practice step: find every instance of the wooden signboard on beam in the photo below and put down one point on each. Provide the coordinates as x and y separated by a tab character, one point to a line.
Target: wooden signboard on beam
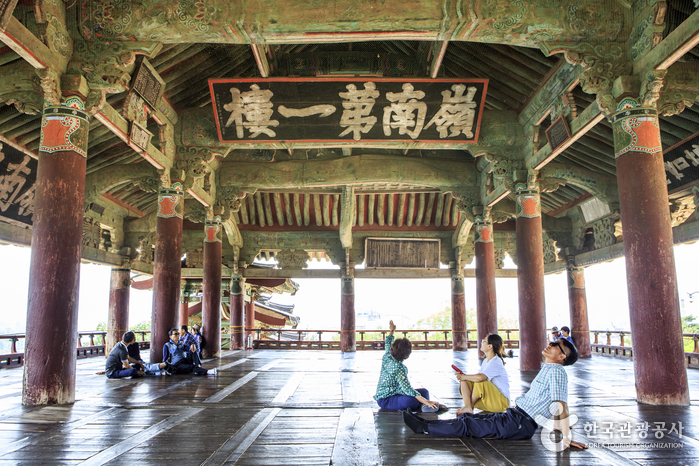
558	133
402	253
348	110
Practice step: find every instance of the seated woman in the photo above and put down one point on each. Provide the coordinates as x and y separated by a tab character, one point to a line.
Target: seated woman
394	390
198	338
489	390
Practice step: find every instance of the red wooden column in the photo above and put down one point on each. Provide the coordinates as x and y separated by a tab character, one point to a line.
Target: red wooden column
166	267
211	287
52	311
459	337
250	315
118	317
237	309
184	307
348	336
577	300
486	308
658	354
530	276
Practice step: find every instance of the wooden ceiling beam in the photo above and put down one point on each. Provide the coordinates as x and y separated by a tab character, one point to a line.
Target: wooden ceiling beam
401	209
439	210
244	219
287	208
278	208
259	209
336	209
438	51
297	209
317	209
268	209
411	210
372	202
379	209
259	51
29	47
430	206
361	198
390	214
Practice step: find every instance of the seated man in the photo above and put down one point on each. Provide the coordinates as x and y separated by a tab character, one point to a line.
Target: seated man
188	344
518	423
566	334
117	365
176	357
555	334
147	367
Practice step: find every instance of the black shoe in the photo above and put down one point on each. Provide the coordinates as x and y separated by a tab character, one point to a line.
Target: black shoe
417	425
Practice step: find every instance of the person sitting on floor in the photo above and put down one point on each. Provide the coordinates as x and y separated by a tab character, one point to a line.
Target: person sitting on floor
176	357
489	389
548	395
198	338
147	367
117	365
555	334
566	334
189	345
394	390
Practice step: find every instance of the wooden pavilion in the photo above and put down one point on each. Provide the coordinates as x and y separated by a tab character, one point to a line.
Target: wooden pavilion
401	135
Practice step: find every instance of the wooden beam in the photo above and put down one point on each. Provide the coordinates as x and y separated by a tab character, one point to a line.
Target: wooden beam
139	213
684	38
268	209
336	209
411	210
428	212
346	216
260	210
278	208
28	46
379	209
251	208
110	118
317	209
438	57
389	217
259	52
287	208
367	273
578	127
244	211
372	202
496	195
326	210
401	209
420	209
438	212
360	210
198	193
297	209
569	205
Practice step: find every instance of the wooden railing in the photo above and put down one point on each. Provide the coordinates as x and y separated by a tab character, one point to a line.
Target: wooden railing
313	339
617	343
87	347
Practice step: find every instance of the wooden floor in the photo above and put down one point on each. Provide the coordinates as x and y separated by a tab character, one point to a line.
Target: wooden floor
275	407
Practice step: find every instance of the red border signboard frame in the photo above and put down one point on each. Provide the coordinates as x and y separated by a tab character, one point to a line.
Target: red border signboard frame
361	111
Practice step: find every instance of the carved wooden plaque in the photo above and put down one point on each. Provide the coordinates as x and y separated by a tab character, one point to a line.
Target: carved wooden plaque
140	136
17	178
558	133
402	253
6	9
146	82
341	110
682	165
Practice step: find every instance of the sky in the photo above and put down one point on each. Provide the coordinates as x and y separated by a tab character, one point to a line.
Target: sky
318	300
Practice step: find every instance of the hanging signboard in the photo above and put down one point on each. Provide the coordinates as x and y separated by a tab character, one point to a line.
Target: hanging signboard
402	253
17	178
682	165
558	133
342	110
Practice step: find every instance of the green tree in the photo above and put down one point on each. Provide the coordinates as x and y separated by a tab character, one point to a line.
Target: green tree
141	327
689	325
442	320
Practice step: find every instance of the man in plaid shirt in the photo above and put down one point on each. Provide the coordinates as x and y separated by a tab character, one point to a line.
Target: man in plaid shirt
549	388
189	345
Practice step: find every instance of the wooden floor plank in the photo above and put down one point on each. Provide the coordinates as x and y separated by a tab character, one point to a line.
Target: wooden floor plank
318	396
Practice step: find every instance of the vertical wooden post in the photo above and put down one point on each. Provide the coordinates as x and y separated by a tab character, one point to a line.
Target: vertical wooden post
250	315
530	274
348	337
237	308
211	289
577	306
52	310
486	307
166	267
659	368
184	309
118	316
459	336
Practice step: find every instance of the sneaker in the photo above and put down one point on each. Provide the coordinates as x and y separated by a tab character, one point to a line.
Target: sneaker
429	409
212	372
167	373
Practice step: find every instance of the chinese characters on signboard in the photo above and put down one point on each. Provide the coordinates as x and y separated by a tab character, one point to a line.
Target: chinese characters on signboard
343	110
682	165
17	177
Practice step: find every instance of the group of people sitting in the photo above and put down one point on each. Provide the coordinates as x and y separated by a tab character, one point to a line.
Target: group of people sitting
181	355
487	390
563	333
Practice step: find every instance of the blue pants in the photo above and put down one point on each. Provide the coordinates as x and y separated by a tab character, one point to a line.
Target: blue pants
124	373
400	402
512	424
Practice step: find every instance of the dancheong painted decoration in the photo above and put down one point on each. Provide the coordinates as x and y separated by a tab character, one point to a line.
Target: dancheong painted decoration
366	110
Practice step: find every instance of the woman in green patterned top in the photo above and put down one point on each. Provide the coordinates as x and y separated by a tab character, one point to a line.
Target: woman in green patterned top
394	390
